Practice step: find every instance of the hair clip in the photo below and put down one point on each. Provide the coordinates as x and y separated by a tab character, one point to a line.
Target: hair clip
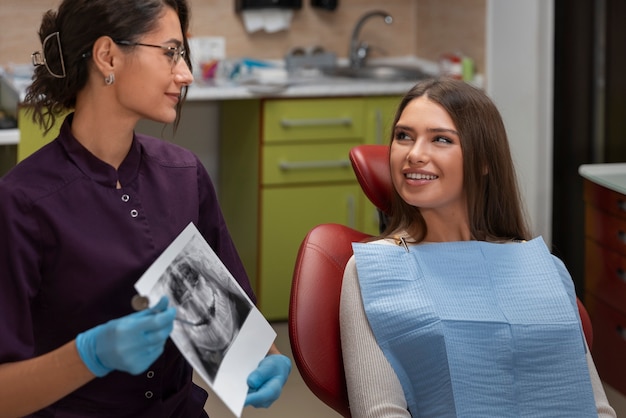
401	241
404	244
39	57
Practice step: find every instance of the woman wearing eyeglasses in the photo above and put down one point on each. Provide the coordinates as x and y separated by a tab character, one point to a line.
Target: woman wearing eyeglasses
82	219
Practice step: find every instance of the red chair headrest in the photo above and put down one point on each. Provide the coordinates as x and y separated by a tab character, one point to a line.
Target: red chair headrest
371	166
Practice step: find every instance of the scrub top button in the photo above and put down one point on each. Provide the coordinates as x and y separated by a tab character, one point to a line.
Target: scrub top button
150	374
125	198
149	394
134	213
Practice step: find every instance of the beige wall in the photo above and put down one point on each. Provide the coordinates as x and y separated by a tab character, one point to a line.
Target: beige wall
424	28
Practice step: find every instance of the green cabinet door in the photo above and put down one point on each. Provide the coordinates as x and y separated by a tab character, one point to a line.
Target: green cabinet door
284	169
379	115
287	214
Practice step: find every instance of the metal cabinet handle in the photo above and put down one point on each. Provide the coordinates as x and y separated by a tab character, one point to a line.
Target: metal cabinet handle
299	123
621	205
307	165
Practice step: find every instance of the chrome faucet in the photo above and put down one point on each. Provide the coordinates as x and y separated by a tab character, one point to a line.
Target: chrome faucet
359	50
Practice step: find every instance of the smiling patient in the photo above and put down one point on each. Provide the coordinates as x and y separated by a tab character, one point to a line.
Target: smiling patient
455	310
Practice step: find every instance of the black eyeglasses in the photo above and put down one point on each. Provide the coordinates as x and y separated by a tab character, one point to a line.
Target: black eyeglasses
174	53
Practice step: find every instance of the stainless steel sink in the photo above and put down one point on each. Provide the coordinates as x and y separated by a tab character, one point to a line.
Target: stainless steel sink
378	72
359	66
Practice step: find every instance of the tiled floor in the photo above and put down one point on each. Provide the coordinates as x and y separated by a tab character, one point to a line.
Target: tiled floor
298	401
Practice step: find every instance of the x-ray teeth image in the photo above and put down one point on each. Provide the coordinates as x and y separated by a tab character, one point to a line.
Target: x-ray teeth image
210	308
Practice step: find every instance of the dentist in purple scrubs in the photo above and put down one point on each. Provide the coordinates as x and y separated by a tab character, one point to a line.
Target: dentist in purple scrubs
82	218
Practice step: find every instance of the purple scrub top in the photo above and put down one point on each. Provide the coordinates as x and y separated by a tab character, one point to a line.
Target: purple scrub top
72	246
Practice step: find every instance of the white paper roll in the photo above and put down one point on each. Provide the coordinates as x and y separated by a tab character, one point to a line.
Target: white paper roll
269	20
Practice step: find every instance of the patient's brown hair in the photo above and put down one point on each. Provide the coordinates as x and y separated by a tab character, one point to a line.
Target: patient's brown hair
494	206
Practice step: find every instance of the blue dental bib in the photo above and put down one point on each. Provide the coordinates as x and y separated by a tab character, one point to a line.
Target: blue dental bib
477	329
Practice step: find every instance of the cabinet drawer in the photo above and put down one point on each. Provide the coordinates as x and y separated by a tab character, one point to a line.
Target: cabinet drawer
313	119
605	274
604	199
606	229
306	163
609	342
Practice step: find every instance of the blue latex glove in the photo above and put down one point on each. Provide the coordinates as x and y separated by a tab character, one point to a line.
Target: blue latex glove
267	381
130	343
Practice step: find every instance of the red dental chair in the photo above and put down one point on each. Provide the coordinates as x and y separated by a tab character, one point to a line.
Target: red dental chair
316	286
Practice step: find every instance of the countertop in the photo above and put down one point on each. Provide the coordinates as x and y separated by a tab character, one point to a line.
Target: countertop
201	91
291	87
17	79
320	87
9	136
14	81
609	175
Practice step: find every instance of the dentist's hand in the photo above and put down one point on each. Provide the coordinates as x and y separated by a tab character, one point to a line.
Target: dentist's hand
267	381
130	343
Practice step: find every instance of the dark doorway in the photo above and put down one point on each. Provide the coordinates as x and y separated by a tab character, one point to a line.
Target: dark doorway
589	112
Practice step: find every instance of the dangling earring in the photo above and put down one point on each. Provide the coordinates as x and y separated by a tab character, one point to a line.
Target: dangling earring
110	79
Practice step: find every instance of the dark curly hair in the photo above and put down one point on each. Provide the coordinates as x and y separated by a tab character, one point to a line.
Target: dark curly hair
79	24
